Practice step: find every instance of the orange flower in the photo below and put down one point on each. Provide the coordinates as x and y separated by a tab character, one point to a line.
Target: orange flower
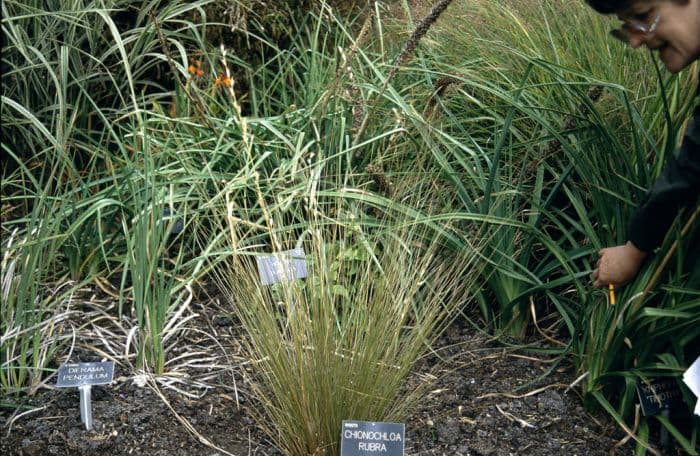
223	80
194	67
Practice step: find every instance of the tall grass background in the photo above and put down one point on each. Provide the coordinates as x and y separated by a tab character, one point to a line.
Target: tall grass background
512	138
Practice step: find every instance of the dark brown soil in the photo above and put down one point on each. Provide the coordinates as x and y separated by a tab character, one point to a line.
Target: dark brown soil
484	400
490	400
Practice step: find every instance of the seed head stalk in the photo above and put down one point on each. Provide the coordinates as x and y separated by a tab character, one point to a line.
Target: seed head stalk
248	146
406	52
234	99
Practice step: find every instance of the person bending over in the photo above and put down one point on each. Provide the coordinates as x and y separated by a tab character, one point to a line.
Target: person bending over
671	28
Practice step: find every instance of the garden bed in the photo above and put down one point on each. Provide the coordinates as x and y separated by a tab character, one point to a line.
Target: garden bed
482	399
469	158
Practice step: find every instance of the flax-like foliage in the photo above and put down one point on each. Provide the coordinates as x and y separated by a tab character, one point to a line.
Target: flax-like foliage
75	78
529	127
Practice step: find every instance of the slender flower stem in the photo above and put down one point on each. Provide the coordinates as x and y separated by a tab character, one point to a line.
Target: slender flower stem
406	52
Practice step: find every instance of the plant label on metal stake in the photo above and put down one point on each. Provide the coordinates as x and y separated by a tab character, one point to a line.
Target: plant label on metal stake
364	438
282	266
83	376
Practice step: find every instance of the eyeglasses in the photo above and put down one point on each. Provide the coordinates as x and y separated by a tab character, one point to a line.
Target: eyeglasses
634	27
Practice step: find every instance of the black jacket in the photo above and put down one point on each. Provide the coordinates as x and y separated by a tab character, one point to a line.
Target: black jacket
677	186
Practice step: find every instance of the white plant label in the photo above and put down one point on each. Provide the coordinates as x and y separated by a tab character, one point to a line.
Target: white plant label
691	377
283	266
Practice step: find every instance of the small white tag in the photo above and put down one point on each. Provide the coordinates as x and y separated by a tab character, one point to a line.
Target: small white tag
691	377
282	266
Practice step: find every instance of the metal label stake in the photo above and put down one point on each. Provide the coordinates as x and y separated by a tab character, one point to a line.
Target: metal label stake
86	406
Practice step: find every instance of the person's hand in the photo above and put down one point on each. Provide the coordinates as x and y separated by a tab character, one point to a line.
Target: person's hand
617	265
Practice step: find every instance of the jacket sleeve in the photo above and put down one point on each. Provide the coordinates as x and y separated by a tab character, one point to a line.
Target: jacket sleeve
678	185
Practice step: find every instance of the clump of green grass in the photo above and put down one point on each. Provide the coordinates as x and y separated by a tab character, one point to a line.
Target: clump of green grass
338	344
30	327
71	177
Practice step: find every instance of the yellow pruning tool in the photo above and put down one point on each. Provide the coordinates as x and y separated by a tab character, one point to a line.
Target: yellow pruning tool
611	289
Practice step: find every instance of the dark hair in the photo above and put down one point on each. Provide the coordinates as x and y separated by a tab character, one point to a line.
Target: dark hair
609	6
615	6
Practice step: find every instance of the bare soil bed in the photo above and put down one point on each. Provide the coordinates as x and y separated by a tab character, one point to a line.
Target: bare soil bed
482	399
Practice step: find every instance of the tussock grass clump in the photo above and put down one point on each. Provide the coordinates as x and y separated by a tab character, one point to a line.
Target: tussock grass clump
340	343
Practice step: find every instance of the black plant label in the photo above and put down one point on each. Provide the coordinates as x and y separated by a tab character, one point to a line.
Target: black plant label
659	394
364	438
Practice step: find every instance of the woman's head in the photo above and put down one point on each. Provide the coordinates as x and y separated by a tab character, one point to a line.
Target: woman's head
671	27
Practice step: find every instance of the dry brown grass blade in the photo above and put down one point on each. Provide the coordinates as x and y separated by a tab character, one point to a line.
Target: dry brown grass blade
542	333
106	287
520	396
16	417
628	437
532	358
630	433
186	424
510	417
